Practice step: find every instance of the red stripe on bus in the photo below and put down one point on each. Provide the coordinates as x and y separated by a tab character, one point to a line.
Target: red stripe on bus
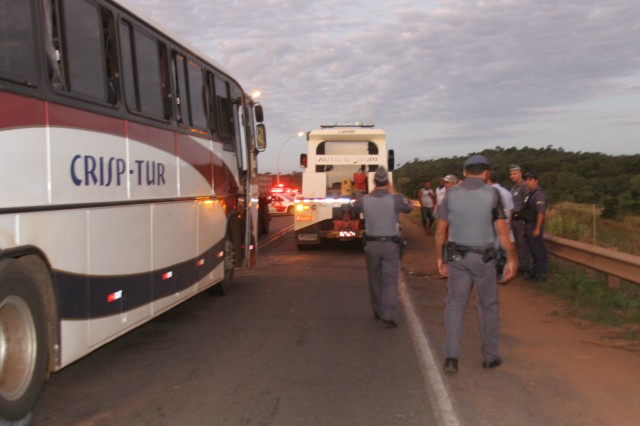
158	138
62	116
19	111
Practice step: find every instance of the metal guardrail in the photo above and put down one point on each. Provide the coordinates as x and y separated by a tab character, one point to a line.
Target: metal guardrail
613	263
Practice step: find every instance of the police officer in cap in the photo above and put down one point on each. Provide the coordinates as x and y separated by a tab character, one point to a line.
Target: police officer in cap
467	215
382	249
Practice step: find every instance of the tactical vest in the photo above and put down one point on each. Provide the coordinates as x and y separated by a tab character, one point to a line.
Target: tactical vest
529	213
470	215
380	215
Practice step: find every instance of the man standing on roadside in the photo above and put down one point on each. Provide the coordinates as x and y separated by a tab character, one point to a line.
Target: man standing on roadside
519	191
447	182
381	209
427	198
467	215
533	212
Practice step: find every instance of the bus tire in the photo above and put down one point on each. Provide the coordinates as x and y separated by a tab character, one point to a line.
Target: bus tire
232	244
23	343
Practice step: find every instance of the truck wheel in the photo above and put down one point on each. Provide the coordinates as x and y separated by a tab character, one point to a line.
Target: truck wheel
23	343
264	219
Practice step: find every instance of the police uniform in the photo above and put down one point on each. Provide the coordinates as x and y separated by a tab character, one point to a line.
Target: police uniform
382	250
535	203
468	213
519	192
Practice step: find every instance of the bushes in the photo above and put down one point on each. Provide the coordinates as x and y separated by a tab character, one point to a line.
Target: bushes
587	296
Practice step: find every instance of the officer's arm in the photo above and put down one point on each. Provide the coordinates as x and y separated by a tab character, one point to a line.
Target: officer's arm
538	228
442	226
402	204
540	211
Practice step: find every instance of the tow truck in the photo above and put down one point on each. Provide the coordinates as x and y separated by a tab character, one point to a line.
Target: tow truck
339	166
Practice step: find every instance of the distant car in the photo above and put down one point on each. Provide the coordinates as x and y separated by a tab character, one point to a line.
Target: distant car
281	204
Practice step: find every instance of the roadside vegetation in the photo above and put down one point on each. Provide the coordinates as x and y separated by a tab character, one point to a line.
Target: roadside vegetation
584	223
585	292
593	198
587	296
611	182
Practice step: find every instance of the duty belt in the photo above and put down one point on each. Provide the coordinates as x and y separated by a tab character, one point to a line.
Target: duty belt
472	249
394	238
456	252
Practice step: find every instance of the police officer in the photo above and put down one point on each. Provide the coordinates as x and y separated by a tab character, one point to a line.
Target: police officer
533	213
382	250
519	191
468	213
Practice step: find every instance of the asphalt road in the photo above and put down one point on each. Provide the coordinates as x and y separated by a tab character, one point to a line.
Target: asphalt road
293	343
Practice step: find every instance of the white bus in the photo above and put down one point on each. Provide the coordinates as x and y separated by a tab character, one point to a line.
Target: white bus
128	182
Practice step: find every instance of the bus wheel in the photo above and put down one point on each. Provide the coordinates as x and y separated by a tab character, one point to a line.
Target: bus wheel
231	244
23	348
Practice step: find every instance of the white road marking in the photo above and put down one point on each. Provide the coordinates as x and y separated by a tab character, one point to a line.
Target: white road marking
440	400
271	238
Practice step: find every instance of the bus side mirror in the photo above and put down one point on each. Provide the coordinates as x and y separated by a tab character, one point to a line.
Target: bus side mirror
259	113
391	161
261	137
303	161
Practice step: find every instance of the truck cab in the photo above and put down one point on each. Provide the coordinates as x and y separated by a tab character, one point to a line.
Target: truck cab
339	166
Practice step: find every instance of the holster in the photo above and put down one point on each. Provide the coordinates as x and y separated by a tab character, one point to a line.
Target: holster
403	246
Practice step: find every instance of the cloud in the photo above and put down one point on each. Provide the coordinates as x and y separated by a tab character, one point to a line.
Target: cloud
476	68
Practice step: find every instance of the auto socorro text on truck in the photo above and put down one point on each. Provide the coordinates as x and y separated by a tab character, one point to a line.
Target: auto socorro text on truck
339	165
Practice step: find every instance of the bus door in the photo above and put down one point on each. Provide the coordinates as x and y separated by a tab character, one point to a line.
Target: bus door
242	152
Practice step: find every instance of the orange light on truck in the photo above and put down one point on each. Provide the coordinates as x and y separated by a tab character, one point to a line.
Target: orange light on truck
304	217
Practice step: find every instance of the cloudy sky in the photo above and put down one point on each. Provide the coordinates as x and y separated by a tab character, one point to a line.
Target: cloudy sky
441	77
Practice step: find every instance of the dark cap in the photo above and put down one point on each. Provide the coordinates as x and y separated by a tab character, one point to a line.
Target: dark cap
530	175
476	159
381	177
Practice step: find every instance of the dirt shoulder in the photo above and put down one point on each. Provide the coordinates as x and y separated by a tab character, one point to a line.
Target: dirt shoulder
556	370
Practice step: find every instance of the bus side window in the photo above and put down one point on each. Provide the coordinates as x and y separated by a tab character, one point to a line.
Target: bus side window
223	109
17	60
197	98
83	51
182	96
108	32
144	72
52	45
212	110
190	98
128	74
